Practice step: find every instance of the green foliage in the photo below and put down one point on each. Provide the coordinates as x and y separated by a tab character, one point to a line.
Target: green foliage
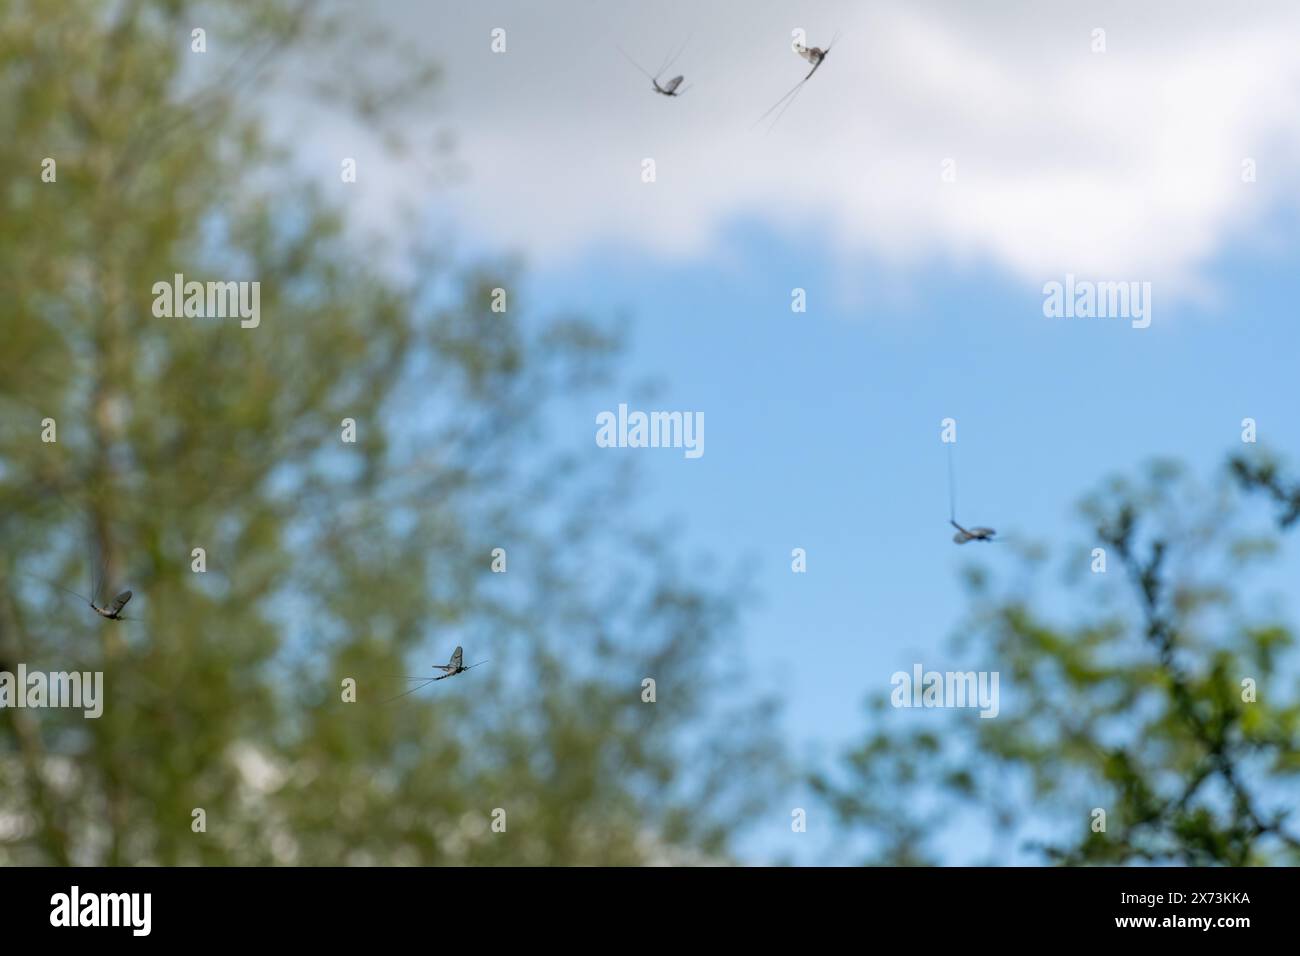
325	561
1134	703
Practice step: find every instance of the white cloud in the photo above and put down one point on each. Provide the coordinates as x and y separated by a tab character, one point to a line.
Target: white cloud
1125	164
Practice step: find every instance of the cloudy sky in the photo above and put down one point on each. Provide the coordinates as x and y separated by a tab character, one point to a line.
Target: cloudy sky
1121	163
924	296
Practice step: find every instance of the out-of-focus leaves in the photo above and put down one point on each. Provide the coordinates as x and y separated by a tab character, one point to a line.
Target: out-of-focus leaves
326	562
1137	708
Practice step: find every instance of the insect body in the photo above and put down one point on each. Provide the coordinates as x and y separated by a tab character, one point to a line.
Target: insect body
973	534
113	610
815	55
670	87
456	666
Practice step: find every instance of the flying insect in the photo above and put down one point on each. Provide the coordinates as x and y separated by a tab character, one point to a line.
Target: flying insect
668	88
814	55
455	666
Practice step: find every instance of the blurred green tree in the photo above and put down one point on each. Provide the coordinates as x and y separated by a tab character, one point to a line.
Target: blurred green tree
325	560
1132	700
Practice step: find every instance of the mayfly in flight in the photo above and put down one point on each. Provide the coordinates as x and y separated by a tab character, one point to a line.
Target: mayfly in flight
109	610
669	88
451	669
973	534
963	534
814	55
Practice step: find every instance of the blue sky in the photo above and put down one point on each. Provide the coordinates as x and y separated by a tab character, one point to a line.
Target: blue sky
1123	163
823	432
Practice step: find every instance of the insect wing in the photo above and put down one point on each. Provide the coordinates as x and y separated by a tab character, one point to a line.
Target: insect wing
961	537
119	602
982	532
456	658
671	86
